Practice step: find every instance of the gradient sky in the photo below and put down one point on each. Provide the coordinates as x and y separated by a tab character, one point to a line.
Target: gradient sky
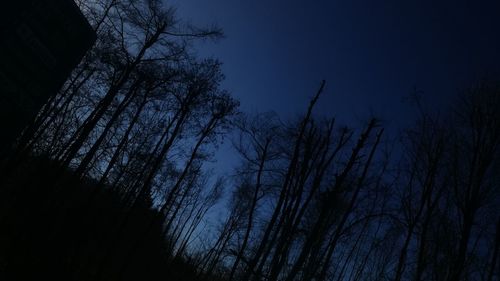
371	53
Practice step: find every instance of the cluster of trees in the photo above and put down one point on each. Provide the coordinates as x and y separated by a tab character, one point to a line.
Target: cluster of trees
311	200
317	203
139	116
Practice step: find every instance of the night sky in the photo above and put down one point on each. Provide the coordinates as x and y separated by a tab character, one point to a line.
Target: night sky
371	53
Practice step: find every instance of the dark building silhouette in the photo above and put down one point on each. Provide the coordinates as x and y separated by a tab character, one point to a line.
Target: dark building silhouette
40	43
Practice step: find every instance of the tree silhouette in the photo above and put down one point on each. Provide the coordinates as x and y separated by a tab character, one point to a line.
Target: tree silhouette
111	180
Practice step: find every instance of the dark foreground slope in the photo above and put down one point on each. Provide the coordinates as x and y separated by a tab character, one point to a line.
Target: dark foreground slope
51	229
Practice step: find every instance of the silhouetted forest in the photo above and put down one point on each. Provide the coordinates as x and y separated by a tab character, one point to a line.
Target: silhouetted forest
111	181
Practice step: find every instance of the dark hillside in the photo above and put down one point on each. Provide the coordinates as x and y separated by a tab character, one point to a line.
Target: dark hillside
54	231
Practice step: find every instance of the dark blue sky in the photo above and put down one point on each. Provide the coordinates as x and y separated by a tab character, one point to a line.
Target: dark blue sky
372	53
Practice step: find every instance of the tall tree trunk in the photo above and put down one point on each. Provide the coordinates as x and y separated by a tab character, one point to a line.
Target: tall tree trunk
263	243
80	170
319	227
104	104
252	210
123	142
